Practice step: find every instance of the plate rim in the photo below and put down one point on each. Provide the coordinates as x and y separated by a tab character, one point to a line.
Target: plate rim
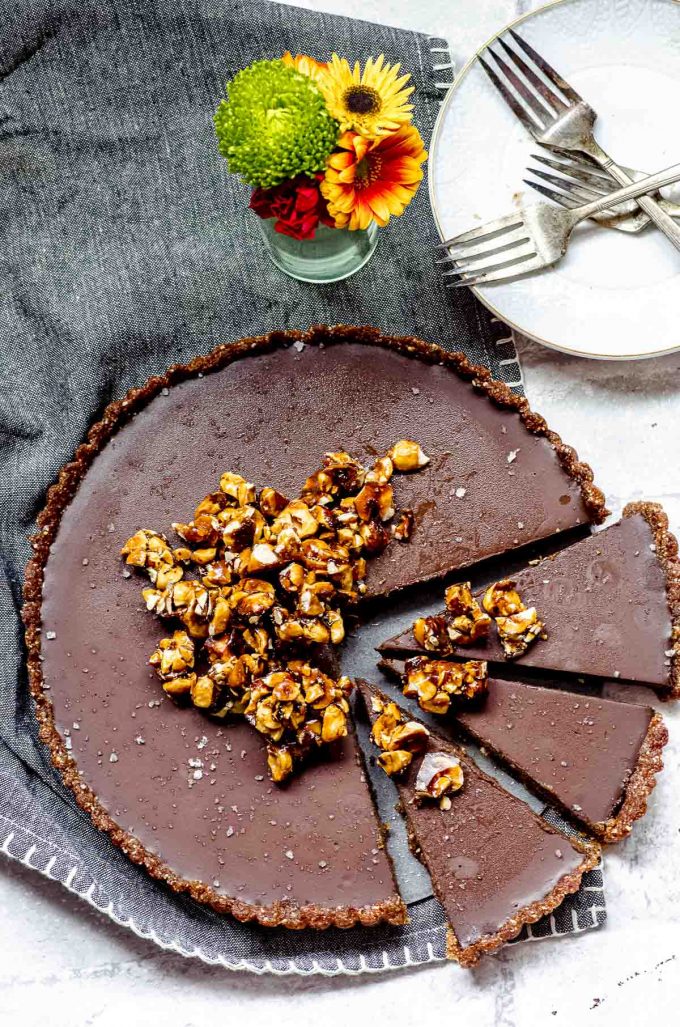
434	143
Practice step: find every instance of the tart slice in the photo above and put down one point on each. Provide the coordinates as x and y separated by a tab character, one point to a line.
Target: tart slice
595	759
610	605
495	865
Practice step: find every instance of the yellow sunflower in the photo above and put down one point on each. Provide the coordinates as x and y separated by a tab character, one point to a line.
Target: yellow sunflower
372	103
305	65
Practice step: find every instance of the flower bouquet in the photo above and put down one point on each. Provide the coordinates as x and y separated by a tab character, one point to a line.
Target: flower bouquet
330	152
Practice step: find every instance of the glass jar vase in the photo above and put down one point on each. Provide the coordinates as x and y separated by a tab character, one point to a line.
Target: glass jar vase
333	253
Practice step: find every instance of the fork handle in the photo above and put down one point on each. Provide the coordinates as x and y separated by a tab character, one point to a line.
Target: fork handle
663	221
629	192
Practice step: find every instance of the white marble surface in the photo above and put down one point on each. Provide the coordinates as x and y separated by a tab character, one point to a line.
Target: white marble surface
64	965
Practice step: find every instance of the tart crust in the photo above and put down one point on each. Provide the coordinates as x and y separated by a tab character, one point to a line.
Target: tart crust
639	786
667	554
59	495
469	955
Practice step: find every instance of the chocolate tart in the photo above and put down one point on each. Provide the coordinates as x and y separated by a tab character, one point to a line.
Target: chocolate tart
610	604
494	864
268	407
594	759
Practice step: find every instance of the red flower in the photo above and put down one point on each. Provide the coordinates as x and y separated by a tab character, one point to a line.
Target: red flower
297	205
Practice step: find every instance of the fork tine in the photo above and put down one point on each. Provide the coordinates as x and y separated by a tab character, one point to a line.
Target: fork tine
488	245
547	70
576	171
513	103
582	192
551	98
543	115
563	201
522	268
573	159
477	234
552	194
490	262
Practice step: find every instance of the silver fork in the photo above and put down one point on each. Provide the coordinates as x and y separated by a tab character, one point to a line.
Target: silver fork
579	181
533	238
558	117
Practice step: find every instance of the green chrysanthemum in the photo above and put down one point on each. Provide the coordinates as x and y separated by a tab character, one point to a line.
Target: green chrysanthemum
274	125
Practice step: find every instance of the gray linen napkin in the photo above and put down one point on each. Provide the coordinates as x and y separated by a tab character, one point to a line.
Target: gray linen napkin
125	246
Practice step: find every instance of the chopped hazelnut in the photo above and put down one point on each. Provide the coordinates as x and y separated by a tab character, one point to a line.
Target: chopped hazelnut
403	527
518	627
271	502
502	599
173	656
518	631
202	692
394	762
431	633
242	492
179	686
467	622
408	456
438	774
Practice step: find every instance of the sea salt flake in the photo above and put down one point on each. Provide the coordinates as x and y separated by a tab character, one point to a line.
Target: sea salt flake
416	392
51	635
113	758
289	854
230	831
460	492
202	742
298	345
197	775
139	740
512	455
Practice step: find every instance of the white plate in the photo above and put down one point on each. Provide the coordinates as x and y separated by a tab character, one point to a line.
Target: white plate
614	295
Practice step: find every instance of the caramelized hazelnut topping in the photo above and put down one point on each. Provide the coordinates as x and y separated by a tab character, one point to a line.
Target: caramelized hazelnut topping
501	599
398	738
273	577
518	626
435	684
431	633
467	622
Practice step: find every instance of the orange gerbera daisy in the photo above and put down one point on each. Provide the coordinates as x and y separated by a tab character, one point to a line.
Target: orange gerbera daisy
370	181
305	65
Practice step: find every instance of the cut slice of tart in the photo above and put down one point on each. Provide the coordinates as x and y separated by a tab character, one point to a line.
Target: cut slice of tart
494	864
594	759
268	408
610	605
